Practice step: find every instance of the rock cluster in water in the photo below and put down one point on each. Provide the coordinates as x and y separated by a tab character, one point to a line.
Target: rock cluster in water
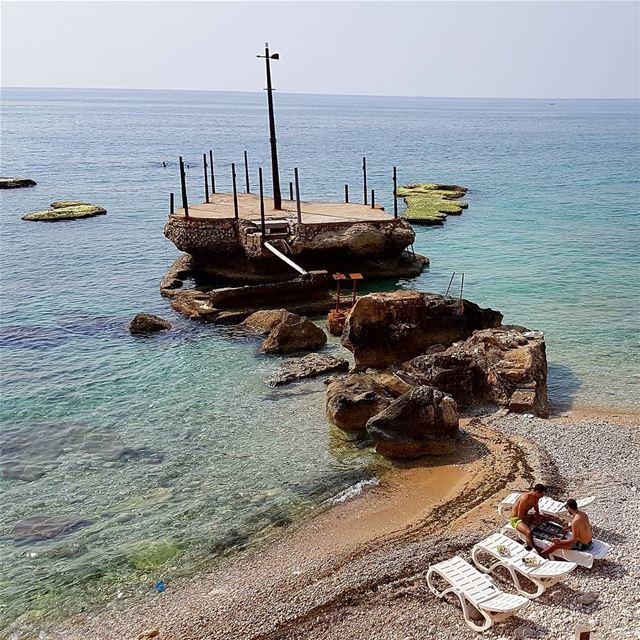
419	356
65	210
430	203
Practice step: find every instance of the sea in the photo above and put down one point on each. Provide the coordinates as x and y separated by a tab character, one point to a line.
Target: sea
159	457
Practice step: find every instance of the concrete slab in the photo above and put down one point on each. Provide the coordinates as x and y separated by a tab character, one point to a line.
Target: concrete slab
221	207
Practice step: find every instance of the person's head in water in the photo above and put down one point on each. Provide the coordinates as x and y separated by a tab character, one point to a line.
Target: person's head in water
572	506
540	489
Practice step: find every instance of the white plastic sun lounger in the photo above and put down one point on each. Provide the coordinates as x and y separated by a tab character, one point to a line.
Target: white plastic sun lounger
598	551
543	575
475	591
548	506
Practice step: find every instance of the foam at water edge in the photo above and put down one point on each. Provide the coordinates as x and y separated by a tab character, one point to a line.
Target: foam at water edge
353	491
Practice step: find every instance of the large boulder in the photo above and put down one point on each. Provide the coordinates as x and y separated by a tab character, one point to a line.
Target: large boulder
310	366
423	421
263	322
294	333
148	323
506	366
352	400
383	329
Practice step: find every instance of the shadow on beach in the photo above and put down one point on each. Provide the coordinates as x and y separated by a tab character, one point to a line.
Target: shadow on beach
563	385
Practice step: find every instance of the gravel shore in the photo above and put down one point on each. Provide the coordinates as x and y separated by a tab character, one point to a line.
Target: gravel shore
300	589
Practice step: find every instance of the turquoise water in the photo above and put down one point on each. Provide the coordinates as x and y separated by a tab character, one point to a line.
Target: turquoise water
176	439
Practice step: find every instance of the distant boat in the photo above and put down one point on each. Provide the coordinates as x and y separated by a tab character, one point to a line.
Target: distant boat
552	103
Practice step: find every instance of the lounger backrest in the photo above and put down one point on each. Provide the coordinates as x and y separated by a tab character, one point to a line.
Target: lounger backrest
475	585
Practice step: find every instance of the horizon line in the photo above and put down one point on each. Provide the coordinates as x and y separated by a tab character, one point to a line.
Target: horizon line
310	93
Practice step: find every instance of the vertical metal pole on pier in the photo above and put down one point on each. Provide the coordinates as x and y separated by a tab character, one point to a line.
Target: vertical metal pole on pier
206	178
395	193
213	177
183	187
295	172
262	221
235	190
364	177
446	293
246	172
461	285
291	191
346	193
373	199
172	205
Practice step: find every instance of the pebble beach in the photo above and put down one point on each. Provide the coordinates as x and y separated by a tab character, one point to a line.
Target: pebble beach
309	586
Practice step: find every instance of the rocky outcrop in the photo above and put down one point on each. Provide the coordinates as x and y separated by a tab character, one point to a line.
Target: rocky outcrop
310	366
148	323
423	421
505	366
293	334
351	401
384	329
16	183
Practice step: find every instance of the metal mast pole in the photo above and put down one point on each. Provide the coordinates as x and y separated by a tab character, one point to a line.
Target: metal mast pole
277	197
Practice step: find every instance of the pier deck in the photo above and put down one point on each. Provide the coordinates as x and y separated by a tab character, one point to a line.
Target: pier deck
221	207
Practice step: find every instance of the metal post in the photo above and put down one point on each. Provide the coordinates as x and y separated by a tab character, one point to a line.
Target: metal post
346	193
206	178
262	220
213	177
461	286
295	172
183	187
373	199
235	190
291	191
395	193
277	198
364	177
246	172
446	293
172	205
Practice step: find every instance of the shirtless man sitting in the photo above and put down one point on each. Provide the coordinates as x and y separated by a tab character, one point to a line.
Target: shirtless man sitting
522	520
580	527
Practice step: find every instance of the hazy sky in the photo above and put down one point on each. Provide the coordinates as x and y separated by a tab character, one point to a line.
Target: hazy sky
494	49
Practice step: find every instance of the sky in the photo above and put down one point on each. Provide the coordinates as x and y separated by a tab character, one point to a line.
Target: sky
453	49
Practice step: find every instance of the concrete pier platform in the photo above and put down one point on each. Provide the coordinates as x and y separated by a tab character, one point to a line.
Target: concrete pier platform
220	207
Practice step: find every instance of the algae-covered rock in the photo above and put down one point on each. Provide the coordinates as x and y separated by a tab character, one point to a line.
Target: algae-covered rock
65	211
16	183
148	323
63	204
150	553
430	203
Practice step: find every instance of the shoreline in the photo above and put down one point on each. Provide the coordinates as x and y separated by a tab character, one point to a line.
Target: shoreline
298	580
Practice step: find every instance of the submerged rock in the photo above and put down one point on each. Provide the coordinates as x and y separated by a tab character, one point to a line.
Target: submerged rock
148	323
150	553
494	366
423	421
383	329
41	528
351	401
310	366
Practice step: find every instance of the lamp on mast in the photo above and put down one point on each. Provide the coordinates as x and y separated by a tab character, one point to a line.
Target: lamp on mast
277	197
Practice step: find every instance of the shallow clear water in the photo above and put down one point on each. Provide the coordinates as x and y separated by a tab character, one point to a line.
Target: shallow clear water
176	438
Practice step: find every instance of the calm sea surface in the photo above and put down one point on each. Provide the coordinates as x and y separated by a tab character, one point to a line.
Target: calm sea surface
174	447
